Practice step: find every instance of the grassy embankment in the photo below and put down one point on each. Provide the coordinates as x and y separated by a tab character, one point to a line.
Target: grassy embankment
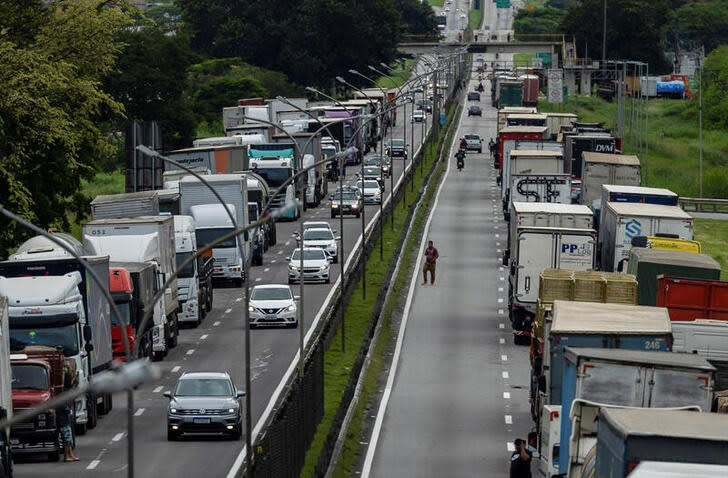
712	234
475	16
338	365
436	3
400	74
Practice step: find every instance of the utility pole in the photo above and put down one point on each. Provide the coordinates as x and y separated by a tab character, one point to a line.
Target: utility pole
700	120
604	35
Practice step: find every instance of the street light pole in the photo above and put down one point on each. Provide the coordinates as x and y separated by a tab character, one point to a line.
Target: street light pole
604	35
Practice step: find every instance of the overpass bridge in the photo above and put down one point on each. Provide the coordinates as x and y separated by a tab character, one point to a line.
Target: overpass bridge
554	48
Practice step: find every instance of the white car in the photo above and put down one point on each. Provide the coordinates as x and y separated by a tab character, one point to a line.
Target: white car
272	305
322	238
372	191
315	266
317	225
418	116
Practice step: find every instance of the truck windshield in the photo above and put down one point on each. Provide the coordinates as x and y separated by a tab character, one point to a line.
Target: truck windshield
189	269
124	309
274	176
206	236
29	377
252	212
63	336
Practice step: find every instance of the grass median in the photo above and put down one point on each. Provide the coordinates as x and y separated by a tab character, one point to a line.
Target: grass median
358	313
712	234
475	17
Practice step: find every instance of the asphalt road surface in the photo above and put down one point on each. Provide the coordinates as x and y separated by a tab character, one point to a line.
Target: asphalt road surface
216	345
460	388
456	23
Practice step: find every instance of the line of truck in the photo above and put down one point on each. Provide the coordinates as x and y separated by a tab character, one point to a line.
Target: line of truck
625	318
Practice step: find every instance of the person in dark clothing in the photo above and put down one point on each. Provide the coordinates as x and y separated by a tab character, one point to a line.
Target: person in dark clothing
431	256
63	415
521	460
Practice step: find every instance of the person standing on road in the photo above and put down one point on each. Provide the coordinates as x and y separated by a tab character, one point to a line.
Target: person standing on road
431	256
520	460
63	415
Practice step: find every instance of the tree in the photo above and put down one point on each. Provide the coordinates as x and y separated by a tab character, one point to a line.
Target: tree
635	30
150	81
51	66
703	23
715	88
418	18
538	20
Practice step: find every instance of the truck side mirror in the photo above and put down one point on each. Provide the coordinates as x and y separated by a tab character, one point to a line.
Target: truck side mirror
87	333
620	266
88	347
239	394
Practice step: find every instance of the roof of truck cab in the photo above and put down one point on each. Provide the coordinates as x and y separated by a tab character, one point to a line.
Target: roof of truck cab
550	208
668	359
40	290
671	469
518	109
216	178
605	158
536	153
599	318
678	258
646	209
666	423
132	220
562	115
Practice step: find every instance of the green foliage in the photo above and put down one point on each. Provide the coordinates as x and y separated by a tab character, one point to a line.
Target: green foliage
715	88
51	63
538	20
635	29
418	18
703	22
711	234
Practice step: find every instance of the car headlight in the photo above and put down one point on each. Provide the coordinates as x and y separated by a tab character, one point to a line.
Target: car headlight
231	410
291	308
354	206
173	410
334	205
323	268
293	268
251	309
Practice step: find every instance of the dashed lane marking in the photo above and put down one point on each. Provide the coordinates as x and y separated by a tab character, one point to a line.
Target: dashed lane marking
510	447
504	358
176	369
190	351
118	436
139	412
509	420
505	374
203	337
239	299
158	389
93	464
257	279
507	395
502	340
216	323
227	311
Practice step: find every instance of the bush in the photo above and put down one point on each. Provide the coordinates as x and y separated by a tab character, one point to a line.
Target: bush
715	183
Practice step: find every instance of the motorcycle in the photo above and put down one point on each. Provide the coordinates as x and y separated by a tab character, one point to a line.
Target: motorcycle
461	164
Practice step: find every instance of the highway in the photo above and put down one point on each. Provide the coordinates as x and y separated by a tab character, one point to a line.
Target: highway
456	23
216	345
459	385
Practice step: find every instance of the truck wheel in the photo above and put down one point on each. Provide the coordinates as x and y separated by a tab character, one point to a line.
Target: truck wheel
93	416
358	215
81	428
173	332
157	357
54	456
333	215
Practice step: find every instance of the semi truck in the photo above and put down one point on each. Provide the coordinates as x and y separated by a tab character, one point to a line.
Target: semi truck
276	164
212	221
623	221
67	311
536	249
546	166
195	280
143	239
648	264
309	145
258	196
620	193
6	393
600	168
576	145
132	286
218	159
37	378
627	378
40	257
507	138
707	338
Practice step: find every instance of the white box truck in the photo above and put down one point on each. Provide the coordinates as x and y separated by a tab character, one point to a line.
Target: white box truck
623	221
621	193
531	162
111	206
194	282
213	221
602	168
536	249
143	239
6	393
707	338
529	214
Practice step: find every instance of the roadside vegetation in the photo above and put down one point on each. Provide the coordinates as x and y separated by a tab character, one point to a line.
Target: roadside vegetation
712	235
358	312
400	75
475	16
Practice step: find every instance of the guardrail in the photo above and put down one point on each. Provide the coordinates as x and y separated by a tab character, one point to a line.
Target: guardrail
701	204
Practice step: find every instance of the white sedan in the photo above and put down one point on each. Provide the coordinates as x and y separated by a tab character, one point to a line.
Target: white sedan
315	266
372	191
324	239
272	305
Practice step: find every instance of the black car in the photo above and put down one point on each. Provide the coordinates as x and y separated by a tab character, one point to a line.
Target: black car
475	111
473	96
346	201
397	147
372	173
204	403
424	105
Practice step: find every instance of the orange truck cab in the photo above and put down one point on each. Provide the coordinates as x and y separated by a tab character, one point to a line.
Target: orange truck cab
121	288
37	378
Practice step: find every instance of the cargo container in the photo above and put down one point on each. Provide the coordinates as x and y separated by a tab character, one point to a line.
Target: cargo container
532	162
707	338
576	145
620	193
599	169
504	112
509	92
690	299
6	392
555	121
508	136
218	159
648	264
526	119
671	469
114	206
536	249
530	89
597	325
623	221
626	437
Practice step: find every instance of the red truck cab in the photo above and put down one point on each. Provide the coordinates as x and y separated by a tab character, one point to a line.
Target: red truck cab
536	133
37	377
121	288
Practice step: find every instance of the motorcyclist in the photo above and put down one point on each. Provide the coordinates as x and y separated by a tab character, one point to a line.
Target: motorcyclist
463	143
460	155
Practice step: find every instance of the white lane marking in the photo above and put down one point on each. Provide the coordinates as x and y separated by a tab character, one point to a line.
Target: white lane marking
501	269
227	311
176	368
507	395
500	300
504	358
288	243
203	337
501	326
498	250
139	412
266	269
118	436
497	235
497	243
505	374
500	289
93	464
273	261
158	389
509	420
502	340
216	323
371	449
190	351
280	252
257	279
239	299
501	311
502	278
510	447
